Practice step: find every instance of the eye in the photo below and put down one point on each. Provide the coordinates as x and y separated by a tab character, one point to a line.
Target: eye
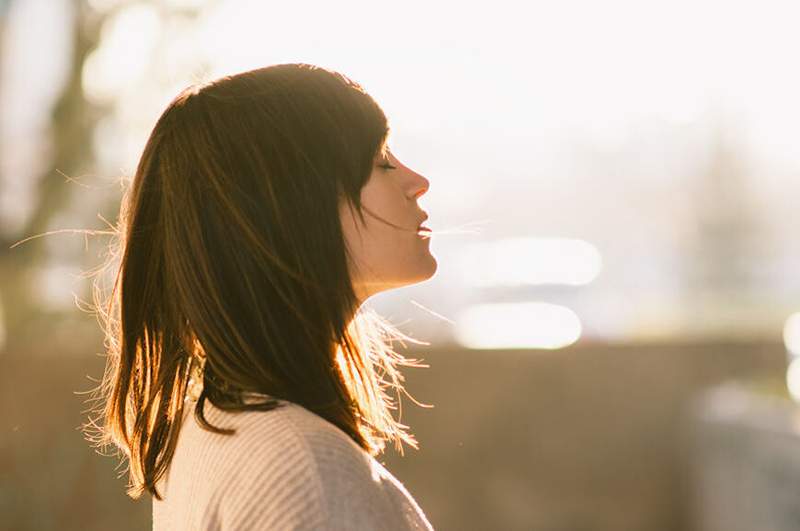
387	166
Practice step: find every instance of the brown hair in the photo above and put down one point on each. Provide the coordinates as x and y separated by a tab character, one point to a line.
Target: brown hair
233	268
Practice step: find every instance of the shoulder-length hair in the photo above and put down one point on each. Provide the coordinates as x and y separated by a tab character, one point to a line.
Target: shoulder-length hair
233	268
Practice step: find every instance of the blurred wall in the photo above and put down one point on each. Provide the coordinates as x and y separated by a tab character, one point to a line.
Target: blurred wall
591	438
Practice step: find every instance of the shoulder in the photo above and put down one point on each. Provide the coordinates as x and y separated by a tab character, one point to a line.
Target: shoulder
355	491
257	477
287	468
296	451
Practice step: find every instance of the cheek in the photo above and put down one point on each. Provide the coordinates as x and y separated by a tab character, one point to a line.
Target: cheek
377	250
369	245
382	196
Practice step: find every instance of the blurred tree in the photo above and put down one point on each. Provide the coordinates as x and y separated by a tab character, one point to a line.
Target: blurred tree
72	123
49	477
72	120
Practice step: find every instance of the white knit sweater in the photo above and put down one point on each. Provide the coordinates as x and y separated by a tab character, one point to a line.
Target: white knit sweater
285	469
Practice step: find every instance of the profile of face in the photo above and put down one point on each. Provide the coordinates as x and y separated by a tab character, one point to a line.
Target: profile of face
390	248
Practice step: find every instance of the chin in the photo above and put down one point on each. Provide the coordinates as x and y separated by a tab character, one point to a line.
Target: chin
423	270
434	266
428	268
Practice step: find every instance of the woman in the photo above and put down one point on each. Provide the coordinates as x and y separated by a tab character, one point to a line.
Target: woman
245	384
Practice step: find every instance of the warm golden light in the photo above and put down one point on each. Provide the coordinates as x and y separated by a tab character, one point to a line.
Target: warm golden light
534	325
793	379
791	334
127	41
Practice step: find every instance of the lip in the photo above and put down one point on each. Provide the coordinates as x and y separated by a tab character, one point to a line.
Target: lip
423	220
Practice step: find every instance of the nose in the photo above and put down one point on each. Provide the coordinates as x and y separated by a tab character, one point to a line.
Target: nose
419	185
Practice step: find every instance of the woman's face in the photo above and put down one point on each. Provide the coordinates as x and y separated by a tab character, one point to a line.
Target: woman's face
388	250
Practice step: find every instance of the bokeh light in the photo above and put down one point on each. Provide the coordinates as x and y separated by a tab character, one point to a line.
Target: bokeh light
793	379
791	334
527	325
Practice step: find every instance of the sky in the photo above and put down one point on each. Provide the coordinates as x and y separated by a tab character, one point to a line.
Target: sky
539	122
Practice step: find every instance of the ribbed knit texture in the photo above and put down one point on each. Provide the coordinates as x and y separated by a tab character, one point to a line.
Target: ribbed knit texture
286	469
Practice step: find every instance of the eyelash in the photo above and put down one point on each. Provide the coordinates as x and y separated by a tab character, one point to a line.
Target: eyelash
387	166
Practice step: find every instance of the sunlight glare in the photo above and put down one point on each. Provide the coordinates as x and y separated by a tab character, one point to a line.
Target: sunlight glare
127	40
791	334
793	379
528	325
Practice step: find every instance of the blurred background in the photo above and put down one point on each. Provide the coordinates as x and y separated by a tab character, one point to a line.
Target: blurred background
615	317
